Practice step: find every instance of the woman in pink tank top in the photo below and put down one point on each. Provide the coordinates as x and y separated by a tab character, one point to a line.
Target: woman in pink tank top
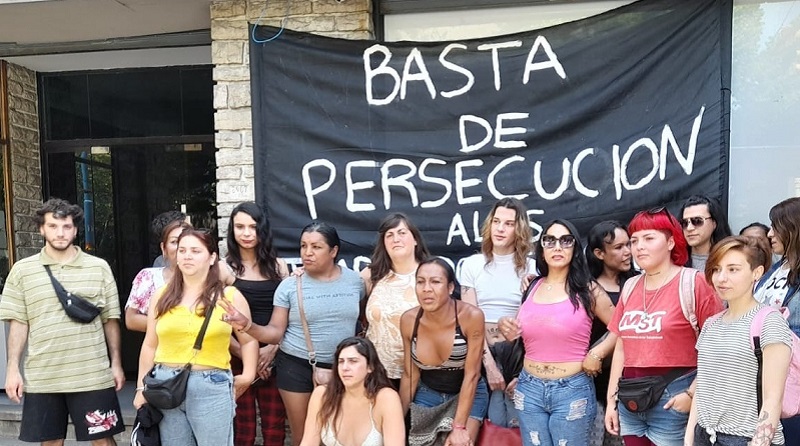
555	393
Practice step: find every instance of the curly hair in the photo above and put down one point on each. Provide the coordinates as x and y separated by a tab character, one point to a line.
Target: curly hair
522	234
60	209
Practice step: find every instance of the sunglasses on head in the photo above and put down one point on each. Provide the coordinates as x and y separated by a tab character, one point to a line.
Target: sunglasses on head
566	241
658	210
695	221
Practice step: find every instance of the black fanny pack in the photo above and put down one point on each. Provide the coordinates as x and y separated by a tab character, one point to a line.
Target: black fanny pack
642	394
76	307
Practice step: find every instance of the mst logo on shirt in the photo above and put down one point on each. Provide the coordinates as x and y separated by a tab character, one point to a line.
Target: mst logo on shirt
640	322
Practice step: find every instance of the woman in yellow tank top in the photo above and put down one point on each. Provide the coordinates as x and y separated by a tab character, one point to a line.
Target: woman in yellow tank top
173	322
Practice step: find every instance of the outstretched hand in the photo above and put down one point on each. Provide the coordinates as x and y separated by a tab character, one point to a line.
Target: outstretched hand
232	316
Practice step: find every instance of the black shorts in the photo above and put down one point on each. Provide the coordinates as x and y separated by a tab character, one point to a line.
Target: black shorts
293	374
95	414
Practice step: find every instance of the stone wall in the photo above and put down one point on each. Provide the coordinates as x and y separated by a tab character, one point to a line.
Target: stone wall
25	163
230	51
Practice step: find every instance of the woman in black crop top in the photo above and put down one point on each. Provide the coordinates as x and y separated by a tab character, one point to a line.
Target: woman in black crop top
608	255
257	271
443	343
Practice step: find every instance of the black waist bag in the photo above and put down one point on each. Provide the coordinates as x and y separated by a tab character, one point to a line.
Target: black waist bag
76	307
166	393
641	394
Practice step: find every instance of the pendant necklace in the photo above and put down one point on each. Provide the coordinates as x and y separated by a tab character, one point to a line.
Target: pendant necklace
655	295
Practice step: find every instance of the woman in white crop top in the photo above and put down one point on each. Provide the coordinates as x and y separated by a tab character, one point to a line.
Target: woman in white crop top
358	407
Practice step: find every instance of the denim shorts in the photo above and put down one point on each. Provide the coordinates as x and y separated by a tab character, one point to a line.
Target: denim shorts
664	427
205	418
428	397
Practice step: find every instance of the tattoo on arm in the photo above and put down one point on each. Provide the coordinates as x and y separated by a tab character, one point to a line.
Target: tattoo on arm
765	431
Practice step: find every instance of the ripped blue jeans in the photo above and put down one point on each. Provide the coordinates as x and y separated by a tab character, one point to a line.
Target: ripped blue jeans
555	412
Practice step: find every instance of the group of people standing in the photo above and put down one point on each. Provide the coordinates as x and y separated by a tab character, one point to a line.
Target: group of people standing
406	352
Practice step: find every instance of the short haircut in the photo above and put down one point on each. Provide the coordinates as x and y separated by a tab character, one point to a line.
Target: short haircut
660	219
60	209
755	249
163	219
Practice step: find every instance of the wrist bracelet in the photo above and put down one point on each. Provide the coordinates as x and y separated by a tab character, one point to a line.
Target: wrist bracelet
689	392
459	426
594	356
139	389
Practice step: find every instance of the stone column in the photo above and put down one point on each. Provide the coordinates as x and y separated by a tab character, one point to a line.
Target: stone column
25	163
230	51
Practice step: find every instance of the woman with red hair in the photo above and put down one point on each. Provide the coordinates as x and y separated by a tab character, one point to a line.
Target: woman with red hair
657	320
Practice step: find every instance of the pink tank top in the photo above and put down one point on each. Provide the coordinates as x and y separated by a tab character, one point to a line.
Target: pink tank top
554	332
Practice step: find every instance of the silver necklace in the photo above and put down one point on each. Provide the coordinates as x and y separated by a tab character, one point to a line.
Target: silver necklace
655	295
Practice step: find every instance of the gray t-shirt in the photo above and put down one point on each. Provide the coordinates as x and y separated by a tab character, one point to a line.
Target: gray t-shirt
699	262
331	311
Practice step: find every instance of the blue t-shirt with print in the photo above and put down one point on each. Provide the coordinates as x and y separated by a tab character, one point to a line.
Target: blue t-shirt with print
331	311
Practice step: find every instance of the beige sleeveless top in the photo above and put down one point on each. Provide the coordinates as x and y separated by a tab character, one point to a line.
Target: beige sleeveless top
390	298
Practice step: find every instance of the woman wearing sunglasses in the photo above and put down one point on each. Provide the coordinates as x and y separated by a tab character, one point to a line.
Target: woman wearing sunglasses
704	223
656	337
555	393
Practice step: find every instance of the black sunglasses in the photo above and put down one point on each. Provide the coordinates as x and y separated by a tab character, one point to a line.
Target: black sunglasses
566	241
695	221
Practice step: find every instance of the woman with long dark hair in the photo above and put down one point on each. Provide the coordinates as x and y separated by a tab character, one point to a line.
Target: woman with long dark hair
358	406
390	287
555	395
780	286
608	254
443	344
331	299
173	322
657	324
257	272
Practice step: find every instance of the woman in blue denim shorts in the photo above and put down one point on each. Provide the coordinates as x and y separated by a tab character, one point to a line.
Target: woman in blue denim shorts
177	312
443	344
657	319
555	395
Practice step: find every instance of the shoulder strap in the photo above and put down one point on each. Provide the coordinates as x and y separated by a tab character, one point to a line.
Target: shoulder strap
529	289
627	288
312	355
755	336
198	342
56	284
416	324
688	298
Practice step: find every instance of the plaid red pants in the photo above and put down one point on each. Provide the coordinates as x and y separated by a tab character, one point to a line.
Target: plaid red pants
270	407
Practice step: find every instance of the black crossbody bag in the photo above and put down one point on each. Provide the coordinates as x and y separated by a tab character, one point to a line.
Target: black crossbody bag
76	307
641	394
169	393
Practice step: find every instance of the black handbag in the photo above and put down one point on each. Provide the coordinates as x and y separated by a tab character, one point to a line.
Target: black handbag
76	307
510	355
169	393
641	394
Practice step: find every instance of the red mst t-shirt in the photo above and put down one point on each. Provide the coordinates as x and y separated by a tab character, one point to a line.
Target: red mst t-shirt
661	336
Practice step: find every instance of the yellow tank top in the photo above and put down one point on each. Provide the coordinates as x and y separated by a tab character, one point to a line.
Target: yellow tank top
178	329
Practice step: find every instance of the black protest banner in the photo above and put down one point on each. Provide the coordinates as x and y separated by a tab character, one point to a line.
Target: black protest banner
589	120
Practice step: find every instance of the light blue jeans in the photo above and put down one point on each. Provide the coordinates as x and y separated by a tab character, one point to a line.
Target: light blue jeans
664	427
555	411
205	418
501	410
